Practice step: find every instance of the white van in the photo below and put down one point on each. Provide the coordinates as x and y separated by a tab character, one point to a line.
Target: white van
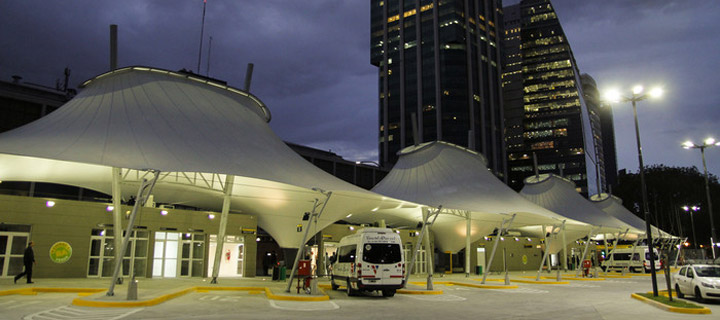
371	259
620	259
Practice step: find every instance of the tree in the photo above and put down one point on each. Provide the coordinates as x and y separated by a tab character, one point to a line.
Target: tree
669	188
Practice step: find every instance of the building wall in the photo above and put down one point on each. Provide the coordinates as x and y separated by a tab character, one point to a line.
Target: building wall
72	222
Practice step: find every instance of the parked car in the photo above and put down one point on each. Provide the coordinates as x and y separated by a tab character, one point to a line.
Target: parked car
701	281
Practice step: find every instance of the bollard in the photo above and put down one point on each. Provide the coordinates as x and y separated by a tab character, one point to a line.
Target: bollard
559	278
132	289
314	290
507	278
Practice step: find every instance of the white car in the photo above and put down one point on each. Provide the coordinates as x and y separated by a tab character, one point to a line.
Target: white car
701	280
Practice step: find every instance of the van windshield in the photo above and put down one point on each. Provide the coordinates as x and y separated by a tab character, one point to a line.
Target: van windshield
382	253
647	256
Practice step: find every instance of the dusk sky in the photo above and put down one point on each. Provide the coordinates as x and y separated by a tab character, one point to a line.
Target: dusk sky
312	60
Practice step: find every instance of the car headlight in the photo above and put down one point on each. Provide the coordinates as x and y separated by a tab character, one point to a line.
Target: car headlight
708	285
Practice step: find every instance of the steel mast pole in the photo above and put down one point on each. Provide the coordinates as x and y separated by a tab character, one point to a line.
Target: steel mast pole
709	201
643	187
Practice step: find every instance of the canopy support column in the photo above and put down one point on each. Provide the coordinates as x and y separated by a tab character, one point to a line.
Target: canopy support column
679	245
143	193
416	249
429	252
611	253
117	216
495	245
547	252
632	257
564	242
467	243
314	215
227	193
587	246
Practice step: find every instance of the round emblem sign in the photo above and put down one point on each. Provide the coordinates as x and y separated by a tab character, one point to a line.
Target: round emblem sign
60	252
524	259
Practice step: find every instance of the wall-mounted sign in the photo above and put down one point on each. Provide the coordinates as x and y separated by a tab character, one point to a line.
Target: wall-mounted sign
524	259
60	252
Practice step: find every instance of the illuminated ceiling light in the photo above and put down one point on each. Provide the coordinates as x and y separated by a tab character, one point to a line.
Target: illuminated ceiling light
188	234
502	238
417	233
102	233
351	228
637	89
528	239
165	212
257	239
516	239
376	209
110	208
397	231
211	216
50	203
348	216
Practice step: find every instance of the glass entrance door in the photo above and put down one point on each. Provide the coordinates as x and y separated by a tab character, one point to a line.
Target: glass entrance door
193	252
12	247
102	253
165	257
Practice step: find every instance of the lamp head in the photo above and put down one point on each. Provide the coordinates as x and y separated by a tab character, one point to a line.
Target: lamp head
612	95
638	89
709	141
688	144
656	92
686	208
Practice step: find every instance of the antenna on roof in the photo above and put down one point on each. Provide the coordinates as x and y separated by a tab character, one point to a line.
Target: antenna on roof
113	46
207	71
202	29
416	138
248	76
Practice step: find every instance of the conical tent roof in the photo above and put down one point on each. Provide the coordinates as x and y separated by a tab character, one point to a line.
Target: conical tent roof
612	205
440	173
559	194
144	118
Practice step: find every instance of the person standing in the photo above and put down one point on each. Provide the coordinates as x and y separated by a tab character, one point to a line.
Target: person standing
29	261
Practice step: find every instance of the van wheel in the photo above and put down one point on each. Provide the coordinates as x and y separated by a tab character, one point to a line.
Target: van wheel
678	292
350	291
698	295
333	285
388	293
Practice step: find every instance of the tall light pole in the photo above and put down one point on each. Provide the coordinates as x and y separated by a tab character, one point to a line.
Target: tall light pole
692	211
638	95
709	142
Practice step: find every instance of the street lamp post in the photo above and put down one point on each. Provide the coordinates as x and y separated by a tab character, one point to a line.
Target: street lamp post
709	142
638	95
692	211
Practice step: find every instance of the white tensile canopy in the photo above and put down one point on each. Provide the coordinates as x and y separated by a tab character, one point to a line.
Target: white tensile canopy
612	205
442	174
196	132
559	195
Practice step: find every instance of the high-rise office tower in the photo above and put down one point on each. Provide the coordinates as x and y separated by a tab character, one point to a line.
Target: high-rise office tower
547	115
439	62
605	151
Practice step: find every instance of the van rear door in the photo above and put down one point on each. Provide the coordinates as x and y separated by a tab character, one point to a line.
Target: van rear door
382	263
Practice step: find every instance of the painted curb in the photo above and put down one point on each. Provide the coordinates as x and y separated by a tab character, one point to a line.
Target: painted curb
541	282
665	307
463	284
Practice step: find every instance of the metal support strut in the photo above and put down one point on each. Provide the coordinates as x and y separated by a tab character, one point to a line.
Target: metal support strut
220	241
497	240
424	228
314	216
143	193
